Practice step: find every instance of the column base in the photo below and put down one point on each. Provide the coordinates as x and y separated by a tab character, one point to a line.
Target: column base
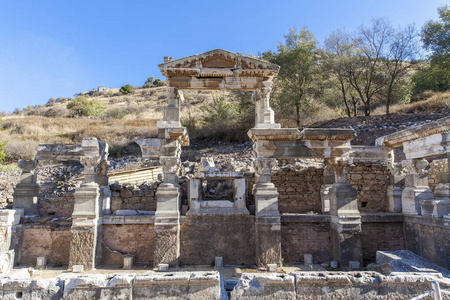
268	241
167	242
83	247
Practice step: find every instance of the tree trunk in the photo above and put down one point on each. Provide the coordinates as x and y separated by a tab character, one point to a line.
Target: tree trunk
297	106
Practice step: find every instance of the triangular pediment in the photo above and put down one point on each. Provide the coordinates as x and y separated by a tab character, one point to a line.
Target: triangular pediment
218	63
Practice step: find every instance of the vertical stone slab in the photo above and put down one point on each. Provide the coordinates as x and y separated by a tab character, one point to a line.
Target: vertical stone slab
396	187
27	191
345	222
167	215
268	223
167	225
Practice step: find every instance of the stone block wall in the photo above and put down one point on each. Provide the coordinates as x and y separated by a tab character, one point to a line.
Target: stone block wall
437	172
299	190
203	237
57	205
134	239
45	240
142	197
8	181
385	236
298	238
371	182
429	238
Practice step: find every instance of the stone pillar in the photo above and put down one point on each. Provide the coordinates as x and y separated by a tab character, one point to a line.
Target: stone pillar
103	181
416	186
167	216
265	117
345	218
85	218
396	187
172	110
328	180
27	191
268	222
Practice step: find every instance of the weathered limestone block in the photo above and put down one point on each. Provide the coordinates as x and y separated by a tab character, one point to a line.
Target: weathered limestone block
363	285
98	286
9	218
264	286
48	288
407	261
177	285
6	262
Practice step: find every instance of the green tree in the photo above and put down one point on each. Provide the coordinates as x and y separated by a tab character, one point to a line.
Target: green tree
363	72
340	49
399	59
297	58
126	89
82	106
152	82
436	39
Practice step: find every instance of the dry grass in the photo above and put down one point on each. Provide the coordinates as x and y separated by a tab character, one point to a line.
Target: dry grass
427	102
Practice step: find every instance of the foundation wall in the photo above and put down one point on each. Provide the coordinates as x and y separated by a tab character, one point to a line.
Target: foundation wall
47	241
134	239
299	190
305	234
381	232
371	182
428	237
229	236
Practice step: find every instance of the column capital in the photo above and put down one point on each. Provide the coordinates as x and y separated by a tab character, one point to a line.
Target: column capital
28	166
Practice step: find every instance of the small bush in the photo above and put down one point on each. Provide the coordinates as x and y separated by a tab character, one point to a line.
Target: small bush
116	113
81	106
17	149
126	89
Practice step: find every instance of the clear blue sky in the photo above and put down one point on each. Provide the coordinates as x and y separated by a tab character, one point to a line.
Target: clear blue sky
59	48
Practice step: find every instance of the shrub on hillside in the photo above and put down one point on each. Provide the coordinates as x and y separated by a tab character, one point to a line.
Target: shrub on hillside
81	106
115	113
126	89
152	82
17	149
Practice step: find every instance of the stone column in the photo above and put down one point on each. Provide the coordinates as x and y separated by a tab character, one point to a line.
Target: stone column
345	217
103	181
85	217
396	187
264	114
416	186
27	191
268	223
328	180
172	110
167	216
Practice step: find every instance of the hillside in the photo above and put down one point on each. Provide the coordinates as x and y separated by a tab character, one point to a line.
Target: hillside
134	115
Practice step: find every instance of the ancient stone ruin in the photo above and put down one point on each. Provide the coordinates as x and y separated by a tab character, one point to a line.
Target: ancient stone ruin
359	200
